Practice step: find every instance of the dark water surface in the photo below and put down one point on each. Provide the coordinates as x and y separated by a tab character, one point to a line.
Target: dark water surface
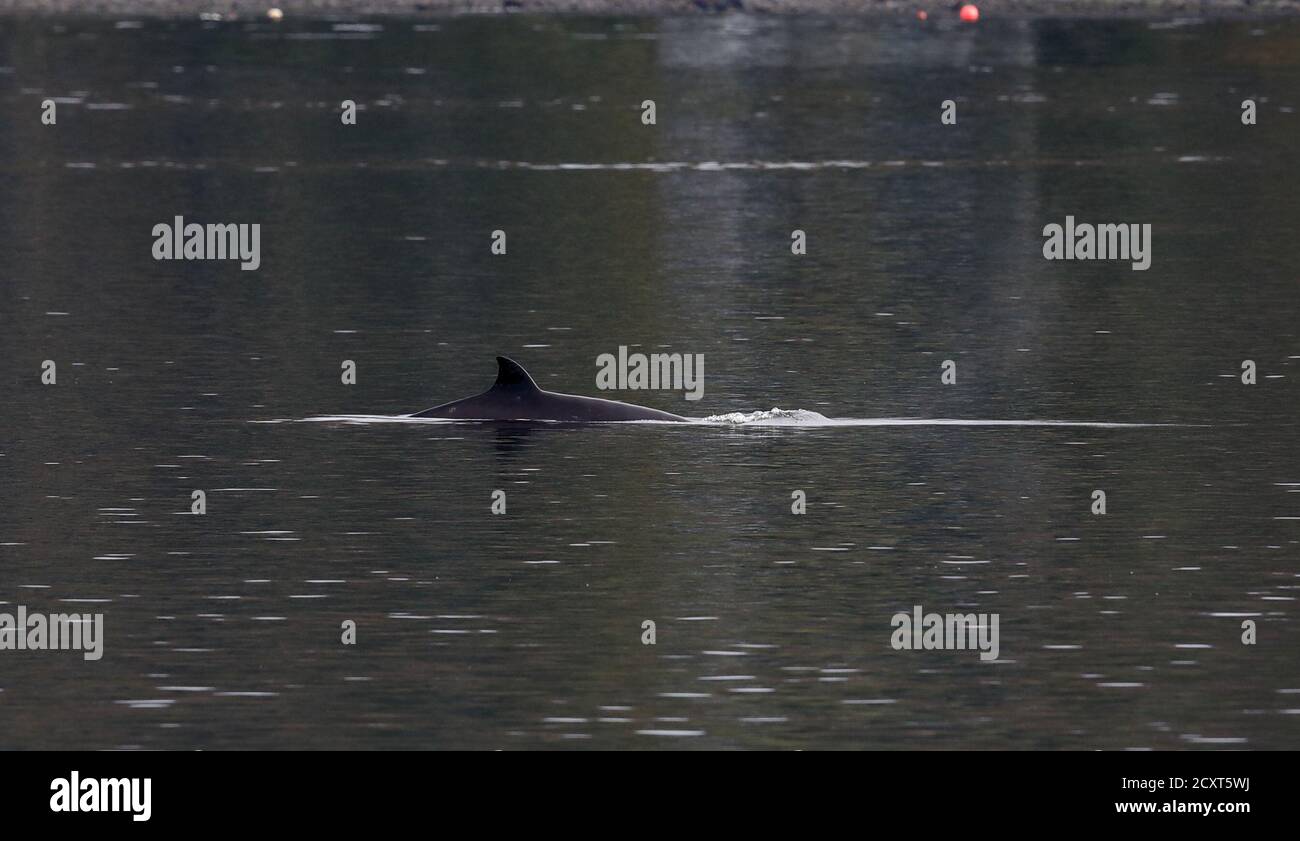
773	629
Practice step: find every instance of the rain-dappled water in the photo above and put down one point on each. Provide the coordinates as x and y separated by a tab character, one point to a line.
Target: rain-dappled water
773	629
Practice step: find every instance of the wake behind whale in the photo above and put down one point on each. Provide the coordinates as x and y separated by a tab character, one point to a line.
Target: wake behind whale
515	397
794	418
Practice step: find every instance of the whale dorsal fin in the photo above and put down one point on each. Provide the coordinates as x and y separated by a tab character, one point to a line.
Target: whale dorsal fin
510	374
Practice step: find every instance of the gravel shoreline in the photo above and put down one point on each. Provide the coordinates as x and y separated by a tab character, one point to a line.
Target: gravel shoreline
245	9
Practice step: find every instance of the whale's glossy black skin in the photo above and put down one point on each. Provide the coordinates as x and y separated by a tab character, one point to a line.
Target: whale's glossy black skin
514	396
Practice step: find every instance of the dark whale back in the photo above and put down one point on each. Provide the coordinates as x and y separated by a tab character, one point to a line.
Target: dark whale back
515	396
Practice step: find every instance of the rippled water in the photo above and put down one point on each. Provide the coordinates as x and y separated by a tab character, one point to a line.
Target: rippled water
773	629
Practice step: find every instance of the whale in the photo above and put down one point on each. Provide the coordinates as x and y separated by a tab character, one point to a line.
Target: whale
515	397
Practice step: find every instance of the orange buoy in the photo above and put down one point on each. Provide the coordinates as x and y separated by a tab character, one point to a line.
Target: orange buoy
970	12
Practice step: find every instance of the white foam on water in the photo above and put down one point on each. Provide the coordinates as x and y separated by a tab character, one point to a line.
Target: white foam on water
772	417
